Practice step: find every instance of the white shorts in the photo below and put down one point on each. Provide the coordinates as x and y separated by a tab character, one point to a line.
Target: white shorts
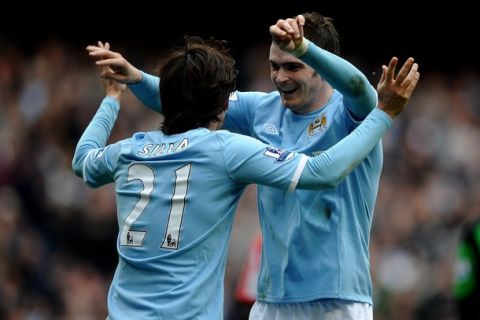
324	309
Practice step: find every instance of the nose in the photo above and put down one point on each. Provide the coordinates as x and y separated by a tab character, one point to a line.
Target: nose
282	76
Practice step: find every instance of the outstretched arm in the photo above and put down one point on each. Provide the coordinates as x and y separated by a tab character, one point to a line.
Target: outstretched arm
359	95
144	86
337	162
251	162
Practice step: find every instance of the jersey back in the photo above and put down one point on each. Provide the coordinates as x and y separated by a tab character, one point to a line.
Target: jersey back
176	198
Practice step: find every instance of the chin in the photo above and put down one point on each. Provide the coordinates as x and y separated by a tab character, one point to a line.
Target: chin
289	104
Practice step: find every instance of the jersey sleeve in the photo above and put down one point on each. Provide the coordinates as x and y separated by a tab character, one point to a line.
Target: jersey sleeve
100	164
248	160
93	161
241	111
148	91
359	96
329	168
251	161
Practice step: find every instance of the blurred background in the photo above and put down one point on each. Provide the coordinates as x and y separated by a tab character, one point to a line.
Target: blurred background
57	237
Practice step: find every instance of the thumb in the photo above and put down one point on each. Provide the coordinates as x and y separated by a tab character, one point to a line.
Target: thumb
107	74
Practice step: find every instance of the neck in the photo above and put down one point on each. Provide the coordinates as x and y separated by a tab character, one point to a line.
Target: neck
213	125
321	99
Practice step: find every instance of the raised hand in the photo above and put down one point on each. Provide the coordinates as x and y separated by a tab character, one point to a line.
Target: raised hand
394	92
288	34
115	67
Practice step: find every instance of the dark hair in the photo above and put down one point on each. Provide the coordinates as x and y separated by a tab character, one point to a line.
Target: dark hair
321	31
196	80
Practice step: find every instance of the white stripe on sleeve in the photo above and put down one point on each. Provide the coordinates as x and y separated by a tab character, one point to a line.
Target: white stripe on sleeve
298	173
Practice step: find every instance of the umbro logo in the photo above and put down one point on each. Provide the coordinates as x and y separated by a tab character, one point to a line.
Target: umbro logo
271	129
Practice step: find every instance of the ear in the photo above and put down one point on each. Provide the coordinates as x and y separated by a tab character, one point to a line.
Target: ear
221	115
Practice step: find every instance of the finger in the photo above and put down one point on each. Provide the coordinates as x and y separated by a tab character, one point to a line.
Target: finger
92	47
382	78
282	25
95	49
411	81
414	83
286	25
301	20
411	87
301	23
110	75
293	24
276	31
402	74
411	75
391	69
106	74
107	46
107	69
109	63
104	54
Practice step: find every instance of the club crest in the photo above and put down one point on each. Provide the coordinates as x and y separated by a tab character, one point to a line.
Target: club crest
318	125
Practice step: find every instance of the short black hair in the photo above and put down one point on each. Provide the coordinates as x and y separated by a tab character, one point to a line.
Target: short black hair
196	80
321	31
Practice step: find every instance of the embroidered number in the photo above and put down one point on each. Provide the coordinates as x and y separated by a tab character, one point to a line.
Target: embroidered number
130	237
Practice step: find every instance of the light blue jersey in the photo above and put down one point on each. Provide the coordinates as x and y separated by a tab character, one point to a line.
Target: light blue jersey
315	243
176	197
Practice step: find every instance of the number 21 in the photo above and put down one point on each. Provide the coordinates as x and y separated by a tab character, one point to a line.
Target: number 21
134	238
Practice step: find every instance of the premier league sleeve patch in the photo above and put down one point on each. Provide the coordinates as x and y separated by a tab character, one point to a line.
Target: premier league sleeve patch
278	154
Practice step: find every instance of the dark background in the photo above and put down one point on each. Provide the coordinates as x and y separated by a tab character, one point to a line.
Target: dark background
440	37
57	248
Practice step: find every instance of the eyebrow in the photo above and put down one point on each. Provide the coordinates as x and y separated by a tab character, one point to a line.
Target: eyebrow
291	63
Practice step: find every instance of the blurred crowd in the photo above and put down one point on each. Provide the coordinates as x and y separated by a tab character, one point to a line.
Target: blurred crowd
57	237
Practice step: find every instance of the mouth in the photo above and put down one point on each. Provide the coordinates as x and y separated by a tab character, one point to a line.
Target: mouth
287	90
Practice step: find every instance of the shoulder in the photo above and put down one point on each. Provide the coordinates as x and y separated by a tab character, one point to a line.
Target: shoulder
254	98
134	143
230	138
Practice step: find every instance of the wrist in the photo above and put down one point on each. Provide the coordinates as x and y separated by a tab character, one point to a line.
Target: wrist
387	111
115	96
137	78
301	49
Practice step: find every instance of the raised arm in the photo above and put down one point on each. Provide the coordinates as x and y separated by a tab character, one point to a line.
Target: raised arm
98	131
144	86
359	95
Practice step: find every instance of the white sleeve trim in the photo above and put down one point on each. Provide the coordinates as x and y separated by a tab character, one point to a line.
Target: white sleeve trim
298	173
85	164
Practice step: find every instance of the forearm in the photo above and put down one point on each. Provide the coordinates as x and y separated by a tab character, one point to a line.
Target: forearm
97	132
360	96
332	166
148	91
